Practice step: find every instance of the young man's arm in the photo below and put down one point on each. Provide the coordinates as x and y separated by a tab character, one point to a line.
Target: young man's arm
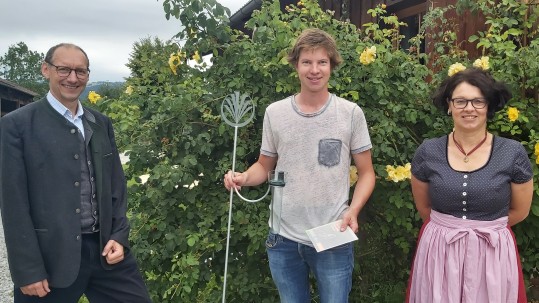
255	175
362	192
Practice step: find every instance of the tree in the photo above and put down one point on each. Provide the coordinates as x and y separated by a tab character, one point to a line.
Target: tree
23	66
111	90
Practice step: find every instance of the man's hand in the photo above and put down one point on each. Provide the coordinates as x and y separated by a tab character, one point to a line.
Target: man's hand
39	289
350	219
235	181
113	252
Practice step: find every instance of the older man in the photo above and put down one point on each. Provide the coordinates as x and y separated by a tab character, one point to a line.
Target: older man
63	195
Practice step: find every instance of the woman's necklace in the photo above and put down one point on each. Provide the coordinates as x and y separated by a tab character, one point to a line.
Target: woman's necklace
466	159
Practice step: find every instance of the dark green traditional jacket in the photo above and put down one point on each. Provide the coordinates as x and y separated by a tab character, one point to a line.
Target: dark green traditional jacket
40	194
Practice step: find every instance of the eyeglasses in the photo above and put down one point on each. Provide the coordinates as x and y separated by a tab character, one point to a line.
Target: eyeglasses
477	103
64	71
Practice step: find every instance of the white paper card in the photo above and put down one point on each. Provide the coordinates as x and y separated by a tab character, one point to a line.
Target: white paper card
329	235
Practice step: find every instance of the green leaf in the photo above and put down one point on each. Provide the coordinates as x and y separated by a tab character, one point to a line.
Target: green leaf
191	241
535	210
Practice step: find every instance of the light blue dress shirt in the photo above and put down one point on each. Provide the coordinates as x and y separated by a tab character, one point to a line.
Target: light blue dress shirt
64	111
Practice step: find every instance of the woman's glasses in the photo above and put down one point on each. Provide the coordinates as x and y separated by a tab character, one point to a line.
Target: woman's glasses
477	103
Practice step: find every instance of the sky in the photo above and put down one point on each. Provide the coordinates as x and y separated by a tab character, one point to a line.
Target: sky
105	29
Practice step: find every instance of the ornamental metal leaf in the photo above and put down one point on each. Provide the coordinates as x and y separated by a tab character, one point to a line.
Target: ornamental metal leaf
235	109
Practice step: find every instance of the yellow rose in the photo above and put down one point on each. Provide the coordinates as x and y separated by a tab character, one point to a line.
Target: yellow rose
482	63
353	175
408	168
129	90
391	173
383	6
368	55
512	114
93	97
455	68
399	173
171	63
537	149
175	60
196	57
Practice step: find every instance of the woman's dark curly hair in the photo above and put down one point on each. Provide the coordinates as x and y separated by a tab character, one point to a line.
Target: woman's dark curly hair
495	92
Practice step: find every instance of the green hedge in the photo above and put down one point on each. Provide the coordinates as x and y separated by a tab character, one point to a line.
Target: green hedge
169	122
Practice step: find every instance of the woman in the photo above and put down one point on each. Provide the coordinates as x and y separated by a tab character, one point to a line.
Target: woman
469	187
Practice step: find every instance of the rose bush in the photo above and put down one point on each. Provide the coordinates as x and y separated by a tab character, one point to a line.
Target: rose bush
168	121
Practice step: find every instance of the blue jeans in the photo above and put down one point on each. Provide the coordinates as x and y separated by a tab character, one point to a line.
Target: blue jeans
290	263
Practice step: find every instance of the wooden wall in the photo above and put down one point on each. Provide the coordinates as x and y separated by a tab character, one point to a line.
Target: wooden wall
356	11
12	98
466	24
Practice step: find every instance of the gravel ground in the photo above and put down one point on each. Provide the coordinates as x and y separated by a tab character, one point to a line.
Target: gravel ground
6	286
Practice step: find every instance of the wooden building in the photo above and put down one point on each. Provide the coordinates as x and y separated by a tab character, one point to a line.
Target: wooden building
408	11
13	96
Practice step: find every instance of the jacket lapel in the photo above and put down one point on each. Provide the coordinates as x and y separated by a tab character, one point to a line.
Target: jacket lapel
94	136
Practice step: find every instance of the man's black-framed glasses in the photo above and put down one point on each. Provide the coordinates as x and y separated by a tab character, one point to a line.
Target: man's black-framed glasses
64	71
477	103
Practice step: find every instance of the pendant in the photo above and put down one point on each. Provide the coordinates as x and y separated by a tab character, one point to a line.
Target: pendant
466	159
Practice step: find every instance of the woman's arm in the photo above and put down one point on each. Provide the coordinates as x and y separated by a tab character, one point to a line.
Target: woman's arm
521	201
420	191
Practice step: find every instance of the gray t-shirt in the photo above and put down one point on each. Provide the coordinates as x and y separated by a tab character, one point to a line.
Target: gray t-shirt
483	194
315	152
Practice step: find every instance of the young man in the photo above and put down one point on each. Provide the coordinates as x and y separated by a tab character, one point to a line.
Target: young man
63	195
312	136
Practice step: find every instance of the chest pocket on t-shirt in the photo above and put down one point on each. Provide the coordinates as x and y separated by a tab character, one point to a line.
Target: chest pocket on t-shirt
329	152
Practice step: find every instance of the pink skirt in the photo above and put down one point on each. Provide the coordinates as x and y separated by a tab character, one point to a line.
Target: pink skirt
465	261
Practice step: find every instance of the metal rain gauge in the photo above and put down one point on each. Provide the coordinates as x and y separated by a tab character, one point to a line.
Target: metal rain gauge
237	111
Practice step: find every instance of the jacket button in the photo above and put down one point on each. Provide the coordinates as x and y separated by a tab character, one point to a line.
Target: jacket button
77	210
76	156
76	184
78	237
73	131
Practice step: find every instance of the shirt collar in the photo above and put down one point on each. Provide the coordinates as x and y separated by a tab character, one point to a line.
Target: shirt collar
61	109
